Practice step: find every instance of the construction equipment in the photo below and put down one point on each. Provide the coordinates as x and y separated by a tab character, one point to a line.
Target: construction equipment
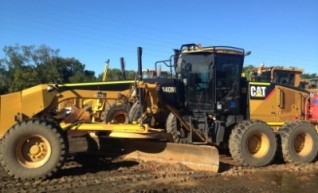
289	76
117	112
41	125
311	85
208	104
278	74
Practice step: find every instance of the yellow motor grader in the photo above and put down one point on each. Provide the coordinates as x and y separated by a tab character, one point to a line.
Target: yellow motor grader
210	103
207	105
278	74
42	125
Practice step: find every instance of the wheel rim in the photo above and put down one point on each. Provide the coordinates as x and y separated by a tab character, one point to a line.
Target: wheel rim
33	151
303	144
119	117
258	144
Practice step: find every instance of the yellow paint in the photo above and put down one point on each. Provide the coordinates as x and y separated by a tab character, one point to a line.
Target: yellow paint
105	127
260	83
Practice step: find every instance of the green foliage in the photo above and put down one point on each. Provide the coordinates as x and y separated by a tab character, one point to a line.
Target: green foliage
115	74
247	71
26	66
309	76
4	79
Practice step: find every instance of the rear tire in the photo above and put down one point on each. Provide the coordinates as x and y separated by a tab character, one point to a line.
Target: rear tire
117	113
299	142
33	149
173	127
253	143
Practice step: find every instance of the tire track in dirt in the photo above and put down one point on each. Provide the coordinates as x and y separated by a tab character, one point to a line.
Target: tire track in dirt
100	175
117	177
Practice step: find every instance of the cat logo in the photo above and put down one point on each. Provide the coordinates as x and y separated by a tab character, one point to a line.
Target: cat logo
258	91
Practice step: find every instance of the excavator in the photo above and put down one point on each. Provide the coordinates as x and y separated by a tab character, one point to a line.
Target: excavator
184	119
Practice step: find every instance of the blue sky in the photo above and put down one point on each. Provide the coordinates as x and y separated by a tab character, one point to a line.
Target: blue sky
278	32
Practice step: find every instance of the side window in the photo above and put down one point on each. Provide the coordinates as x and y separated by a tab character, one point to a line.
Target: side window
283	77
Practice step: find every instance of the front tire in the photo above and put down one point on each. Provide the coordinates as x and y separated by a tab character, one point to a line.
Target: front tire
253	143
33	149
173	127
299	142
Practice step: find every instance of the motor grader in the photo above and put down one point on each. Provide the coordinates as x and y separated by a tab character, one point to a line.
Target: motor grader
42	125
208	104
277	74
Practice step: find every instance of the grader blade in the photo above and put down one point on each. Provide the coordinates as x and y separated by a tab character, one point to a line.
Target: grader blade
196	157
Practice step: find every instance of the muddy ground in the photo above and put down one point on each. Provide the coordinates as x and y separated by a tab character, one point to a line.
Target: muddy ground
98	174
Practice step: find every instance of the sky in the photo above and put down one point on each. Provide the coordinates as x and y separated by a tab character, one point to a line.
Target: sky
277	32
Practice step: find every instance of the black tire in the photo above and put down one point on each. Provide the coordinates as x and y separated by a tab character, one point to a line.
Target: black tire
134	113
117	113
253	143
299	142
33	149
173	127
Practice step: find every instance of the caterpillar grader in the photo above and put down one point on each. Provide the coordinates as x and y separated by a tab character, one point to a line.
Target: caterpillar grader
278	74
206	105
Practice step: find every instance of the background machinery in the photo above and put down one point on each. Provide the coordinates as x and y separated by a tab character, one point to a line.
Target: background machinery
278	74
206	104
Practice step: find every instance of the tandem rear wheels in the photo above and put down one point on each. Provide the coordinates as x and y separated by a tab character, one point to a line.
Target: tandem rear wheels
299	142
253	143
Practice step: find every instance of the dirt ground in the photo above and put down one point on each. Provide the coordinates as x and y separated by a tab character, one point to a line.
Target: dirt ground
98	174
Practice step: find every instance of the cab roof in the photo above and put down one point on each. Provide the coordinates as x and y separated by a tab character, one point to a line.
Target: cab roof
196	48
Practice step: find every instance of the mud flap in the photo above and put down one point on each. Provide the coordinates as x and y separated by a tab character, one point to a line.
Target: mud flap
196	157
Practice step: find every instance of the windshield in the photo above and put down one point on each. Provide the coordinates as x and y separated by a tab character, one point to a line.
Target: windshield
284	77
227	75
210	79
195	68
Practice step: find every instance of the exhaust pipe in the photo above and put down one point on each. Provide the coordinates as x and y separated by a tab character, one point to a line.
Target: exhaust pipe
122	64
139	55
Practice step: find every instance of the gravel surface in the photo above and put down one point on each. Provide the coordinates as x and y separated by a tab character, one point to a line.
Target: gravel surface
98	174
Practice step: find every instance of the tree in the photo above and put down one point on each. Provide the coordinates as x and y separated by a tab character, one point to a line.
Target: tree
115	74
309	76
247	71
26	66
4	83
